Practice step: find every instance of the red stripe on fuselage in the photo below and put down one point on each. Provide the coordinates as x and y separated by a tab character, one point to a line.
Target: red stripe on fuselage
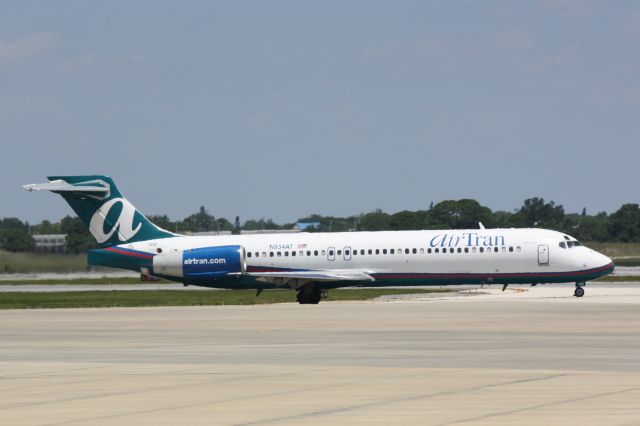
130	253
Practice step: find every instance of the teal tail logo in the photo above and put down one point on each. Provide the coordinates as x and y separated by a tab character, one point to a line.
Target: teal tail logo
111	219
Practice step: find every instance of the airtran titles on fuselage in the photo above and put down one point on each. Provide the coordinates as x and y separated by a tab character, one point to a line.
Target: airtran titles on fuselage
199	261
466	239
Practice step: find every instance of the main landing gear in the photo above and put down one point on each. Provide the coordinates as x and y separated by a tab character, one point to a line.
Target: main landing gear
309	294
579	291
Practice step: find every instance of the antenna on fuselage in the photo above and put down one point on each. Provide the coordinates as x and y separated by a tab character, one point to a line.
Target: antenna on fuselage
480	225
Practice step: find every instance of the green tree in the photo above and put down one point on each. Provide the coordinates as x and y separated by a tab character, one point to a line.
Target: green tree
459	214
374	221
163	222
408	220
79	240
593	228
502	219
624	224
223	224
15	239
536	213
259	225
14	223
201	221
46	227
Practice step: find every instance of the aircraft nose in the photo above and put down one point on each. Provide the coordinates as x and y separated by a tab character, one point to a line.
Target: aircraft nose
602	261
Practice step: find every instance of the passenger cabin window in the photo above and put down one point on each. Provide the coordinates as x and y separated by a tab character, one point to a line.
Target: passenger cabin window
264	254
339	252
511	249
315	252
248	254
370	251
459	250
519	249
406	251
437	250
451	250
362	252
293	253
481	249
384	251
428	251
414	251
495	249
421	250
346	253
308	252
392	251
330	252
270	254
286	253
466	249
377	251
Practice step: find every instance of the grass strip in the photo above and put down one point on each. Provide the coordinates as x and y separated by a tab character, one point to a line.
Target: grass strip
618	279
136	298
626	261
82	281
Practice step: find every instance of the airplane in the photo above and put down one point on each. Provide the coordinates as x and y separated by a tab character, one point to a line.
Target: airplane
313	263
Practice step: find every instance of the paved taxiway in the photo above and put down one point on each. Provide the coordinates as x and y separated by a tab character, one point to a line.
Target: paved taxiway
519	357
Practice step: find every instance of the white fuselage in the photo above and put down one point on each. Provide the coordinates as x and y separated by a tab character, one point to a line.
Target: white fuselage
453	256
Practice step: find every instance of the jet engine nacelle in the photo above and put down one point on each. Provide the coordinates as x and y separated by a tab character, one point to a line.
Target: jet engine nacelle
205	262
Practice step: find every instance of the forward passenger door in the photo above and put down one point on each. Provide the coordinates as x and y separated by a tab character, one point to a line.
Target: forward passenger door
543	254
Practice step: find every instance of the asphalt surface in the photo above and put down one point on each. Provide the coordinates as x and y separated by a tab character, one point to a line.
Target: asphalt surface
520	357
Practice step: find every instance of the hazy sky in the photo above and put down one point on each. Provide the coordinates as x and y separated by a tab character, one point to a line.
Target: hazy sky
283	109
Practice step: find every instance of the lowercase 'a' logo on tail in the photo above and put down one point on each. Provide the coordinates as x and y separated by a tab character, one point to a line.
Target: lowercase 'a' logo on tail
124	224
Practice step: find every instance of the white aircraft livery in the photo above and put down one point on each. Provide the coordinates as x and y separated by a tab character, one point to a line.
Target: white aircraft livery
313	263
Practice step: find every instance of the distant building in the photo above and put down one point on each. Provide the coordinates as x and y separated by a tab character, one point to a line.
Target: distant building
306	226
51	243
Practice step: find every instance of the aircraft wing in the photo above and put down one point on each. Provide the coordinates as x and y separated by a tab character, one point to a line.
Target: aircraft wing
290	277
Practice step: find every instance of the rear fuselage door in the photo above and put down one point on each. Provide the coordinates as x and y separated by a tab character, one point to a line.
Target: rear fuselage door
543	254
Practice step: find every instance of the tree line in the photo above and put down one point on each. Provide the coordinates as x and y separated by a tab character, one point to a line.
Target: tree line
622	225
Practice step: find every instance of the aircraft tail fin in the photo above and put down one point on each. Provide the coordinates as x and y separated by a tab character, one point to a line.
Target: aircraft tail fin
110	217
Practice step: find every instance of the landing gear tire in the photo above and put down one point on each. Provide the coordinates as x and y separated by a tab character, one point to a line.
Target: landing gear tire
579	292
309	295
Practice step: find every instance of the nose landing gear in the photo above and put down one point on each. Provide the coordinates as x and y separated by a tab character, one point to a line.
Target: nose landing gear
579	291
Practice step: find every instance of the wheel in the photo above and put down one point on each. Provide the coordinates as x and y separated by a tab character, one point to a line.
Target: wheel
302	297
309	296
579	292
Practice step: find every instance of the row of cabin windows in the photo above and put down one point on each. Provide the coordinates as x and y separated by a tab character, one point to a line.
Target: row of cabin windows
363	252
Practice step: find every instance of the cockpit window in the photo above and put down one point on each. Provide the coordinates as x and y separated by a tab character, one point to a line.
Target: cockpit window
577	243
562	244
569	244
